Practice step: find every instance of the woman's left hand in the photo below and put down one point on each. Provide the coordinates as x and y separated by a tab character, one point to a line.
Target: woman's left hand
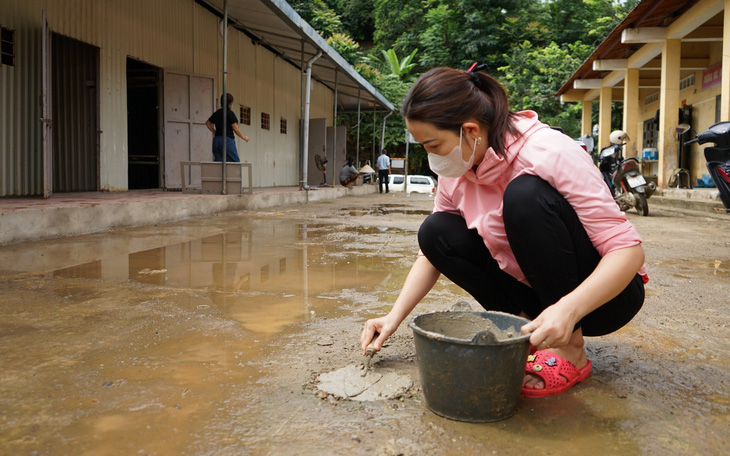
552	328
555	325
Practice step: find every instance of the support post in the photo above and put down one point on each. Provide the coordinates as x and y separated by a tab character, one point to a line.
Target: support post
224	104
586	122
604	117
668	110
725	84
374	138
631	110
382	134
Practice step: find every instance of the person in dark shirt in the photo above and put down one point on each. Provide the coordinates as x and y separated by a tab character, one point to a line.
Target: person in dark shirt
215	125
348	173
383	165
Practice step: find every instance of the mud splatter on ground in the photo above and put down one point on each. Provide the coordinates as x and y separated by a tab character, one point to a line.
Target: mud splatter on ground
209	337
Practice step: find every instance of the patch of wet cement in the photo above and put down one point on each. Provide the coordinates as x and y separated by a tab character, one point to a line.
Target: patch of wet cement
349	383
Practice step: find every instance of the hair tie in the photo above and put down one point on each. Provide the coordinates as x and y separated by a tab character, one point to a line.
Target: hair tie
472	72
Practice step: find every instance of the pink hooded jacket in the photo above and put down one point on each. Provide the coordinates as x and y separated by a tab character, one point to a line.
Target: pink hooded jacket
557	159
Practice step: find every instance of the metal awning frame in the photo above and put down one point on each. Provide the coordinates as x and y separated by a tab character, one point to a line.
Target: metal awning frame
348	84
275	25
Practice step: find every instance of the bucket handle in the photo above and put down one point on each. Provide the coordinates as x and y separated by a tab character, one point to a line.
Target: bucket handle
484	337
487	337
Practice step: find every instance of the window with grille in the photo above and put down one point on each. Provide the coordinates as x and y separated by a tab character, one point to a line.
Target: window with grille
245	115
7	46
282	126
687	82
651	133
265	121
653	98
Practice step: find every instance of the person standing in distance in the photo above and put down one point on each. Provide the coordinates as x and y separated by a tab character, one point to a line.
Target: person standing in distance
215	125
383	165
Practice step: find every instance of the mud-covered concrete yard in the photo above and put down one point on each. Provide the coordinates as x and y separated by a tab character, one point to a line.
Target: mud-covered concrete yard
206	337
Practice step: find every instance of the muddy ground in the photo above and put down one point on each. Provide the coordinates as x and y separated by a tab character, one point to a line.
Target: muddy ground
206	337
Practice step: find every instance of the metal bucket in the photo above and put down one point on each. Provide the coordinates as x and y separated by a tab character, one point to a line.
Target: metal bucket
466	372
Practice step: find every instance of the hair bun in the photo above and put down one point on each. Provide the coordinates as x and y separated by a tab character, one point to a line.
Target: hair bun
472	72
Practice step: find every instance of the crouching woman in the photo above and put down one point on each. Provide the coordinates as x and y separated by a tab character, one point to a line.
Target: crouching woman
523	222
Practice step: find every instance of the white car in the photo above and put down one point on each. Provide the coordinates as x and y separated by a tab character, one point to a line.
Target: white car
416	183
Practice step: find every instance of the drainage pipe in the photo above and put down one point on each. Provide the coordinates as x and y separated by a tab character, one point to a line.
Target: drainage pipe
357	146
305	141
334	133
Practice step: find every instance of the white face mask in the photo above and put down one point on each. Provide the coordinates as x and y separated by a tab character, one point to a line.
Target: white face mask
451	164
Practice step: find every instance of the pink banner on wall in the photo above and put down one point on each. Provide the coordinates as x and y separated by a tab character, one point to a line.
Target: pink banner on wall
712	76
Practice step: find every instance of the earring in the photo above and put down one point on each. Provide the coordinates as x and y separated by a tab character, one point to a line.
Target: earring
479	140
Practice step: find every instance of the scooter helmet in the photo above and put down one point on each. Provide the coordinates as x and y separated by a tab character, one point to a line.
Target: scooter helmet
618	137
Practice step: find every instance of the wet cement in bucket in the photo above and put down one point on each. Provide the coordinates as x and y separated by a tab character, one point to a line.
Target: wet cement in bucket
466	325
350	383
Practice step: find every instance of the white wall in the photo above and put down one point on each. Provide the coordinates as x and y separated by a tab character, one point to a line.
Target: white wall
175	35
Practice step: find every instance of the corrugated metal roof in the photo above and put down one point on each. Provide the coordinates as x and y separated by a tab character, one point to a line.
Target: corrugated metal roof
648	13
275	25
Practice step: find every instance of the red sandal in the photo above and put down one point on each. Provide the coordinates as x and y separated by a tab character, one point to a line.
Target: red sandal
558	374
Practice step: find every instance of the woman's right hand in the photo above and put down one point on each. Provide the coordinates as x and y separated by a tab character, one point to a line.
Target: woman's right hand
380	328
420	280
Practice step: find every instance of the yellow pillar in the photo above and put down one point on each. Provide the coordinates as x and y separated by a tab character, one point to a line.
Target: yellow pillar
631	110
586	123
668	110
604	117
725	87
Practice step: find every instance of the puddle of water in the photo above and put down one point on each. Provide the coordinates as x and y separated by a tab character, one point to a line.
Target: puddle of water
266	278
384	209
152	343
716	267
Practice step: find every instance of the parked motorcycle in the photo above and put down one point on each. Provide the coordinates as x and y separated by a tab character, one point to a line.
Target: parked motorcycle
623	176
717	157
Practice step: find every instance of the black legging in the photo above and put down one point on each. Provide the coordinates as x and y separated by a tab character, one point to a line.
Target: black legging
550	245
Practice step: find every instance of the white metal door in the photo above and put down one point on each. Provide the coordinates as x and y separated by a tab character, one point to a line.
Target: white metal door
317	146
189	100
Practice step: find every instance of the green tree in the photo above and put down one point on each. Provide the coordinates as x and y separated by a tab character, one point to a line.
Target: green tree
534	76
438	35
357	17
532	46
588	21
317	14
391	64
396	25
345	46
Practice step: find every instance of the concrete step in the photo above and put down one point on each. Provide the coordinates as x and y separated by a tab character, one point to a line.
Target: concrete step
705	200
699	205
694	194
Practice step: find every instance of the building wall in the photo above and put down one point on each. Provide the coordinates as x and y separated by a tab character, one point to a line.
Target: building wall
20	130
703	102
175	35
